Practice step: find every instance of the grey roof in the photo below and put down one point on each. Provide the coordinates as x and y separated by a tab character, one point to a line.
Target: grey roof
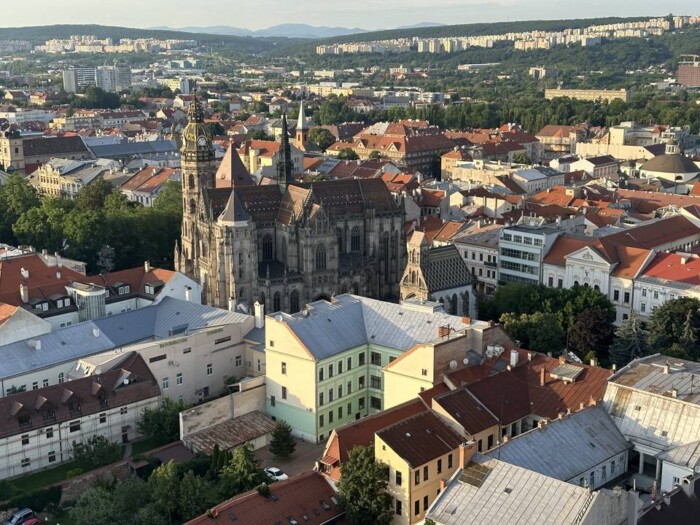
566	448
135	148
684	456
640	399
671	163
351	321
509	494
156	321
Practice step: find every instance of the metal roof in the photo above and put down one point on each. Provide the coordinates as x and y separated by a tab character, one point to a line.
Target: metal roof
566	448
505	493
135	148
156	321
327	329
684	456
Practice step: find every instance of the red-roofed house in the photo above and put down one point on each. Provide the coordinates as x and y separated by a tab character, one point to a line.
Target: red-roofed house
668	276
559	140
145	185
262	156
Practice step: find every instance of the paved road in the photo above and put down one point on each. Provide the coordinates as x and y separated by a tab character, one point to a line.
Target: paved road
303	459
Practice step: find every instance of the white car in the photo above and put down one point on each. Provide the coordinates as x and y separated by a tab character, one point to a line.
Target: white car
275	474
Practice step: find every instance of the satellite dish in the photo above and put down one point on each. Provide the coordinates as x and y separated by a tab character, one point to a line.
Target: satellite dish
126	381
466	361
453	364
278	318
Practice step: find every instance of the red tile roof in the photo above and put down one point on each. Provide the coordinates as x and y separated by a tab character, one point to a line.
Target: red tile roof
52	404
515	394
307	498
6	311
149	179
466	410
42	282
676	267
421	438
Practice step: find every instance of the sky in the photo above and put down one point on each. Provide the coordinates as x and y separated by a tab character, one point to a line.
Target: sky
367	14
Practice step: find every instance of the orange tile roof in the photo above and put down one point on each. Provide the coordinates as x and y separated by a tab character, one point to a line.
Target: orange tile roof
565	245
149	179
675	267
648	202
43	280
6	311
557	195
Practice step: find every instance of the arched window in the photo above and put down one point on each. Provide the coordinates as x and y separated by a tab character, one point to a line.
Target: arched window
190	181
344	289
267	247
294	302
284	250
596	288
413	277
355	239
355	289
193	207
394	245
241	294
453	305
276	302
241	265
339	235
385	245
320	257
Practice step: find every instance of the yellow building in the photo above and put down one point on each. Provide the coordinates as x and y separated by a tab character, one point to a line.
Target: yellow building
595	95
422	453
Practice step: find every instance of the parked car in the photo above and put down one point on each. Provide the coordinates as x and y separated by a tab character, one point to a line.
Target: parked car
275	474
21	517
33	521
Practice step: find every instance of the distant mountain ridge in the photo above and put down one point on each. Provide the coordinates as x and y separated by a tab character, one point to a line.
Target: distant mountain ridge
285	30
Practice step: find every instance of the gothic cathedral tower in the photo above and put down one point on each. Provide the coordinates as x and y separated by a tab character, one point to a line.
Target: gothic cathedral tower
198	169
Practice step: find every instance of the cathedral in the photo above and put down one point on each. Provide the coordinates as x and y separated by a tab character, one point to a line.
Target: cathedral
283	244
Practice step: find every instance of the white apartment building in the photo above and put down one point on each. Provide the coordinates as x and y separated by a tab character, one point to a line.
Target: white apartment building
190	349
40	426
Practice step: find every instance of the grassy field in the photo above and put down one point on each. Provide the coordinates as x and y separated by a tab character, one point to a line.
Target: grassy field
42	479
141	447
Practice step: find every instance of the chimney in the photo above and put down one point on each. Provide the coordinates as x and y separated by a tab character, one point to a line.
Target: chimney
594	362
231	304
96	332
582	406
259	311
592	402
58	275
667	368
443	331
614	367
562	359
147	267
466	320
529	356
542	376
443	485
674	392
513	358
505	438
542	423
59	261
24	293
466	451
188	292
24	272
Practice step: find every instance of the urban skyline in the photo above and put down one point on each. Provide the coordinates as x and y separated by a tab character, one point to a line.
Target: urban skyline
391	13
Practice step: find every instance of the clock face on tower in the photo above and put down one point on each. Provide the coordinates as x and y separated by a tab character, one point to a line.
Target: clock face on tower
202	141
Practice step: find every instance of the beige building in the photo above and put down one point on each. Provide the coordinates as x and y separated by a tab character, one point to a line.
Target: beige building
65	178
596	95
422	452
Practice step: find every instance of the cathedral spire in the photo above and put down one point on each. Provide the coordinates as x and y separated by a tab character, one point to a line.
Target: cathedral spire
284	164
302	124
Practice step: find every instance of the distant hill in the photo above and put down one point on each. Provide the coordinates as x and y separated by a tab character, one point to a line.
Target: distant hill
281	30
39	34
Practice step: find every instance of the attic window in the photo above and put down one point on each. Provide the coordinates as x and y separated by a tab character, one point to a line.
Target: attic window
507	490
124	289
637	408
325	505
664	433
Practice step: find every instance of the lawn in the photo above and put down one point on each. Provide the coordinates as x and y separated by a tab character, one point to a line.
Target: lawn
146	445
43	478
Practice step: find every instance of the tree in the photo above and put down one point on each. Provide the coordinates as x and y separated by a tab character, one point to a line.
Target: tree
243	472
94	195
673	327
96	452
95	506
282	443
540	331
17	196
169	200
163	484
191	496
130	494
321	137
631	341
162	423
592	332
363	489
374	155
521	158
348	154
42	226
259	134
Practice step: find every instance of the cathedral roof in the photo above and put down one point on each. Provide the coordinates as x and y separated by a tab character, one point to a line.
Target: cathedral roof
232	172
234	211
445	269
292	204
354	196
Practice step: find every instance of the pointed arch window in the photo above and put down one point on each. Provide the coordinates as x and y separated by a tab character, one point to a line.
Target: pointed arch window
320	257
190	181
267	247
355	239
294	302
193	207
276	302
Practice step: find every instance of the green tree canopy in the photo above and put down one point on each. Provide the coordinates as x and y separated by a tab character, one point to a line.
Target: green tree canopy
321	137
16	197
282	443
192	497
95	506
96	452
162	423
348	154
591	333
243	472
163	484
631	341
674	326
363	489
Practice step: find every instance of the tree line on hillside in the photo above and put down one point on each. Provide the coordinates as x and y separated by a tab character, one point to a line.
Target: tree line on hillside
533	112
101	227
581	320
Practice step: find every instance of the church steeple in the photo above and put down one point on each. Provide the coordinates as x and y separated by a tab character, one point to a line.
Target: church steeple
284	165
302	131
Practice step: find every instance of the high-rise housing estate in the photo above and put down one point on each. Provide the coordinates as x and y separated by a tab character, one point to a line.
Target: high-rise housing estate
108	78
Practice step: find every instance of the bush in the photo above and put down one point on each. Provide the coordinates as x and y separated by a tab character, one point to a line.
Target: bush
37	500
74	472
